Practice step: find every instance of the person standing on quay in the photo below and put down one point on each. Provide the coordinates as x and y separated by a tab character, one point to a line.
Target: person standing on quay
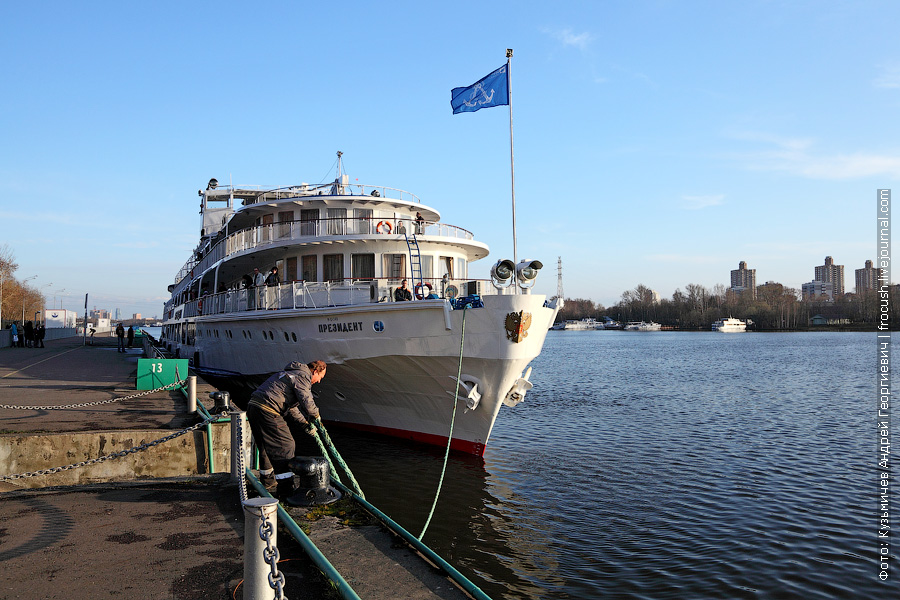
39	332
29	334
130	336
14	335
120	334
279	412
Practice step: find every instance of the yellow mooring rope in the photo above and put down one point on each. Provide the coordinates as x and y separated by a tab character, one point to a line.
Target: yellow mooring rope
462	339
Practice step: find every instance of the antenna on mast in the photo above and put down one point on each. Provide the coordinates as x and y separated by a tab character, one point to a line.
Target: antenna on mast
340	179
559	287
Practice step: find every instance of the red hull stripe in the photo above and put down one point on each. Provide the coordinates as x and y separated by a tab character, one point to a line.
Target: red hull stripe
435	440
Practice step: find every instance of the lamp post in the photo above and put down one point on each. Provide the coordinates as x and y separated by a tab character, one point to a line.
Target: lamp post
24	281
55	292
43	305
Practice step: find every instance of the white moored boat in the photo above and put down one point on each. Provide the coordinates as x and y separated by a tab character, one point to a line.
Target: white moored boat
578	325
341	250
729	325
642	326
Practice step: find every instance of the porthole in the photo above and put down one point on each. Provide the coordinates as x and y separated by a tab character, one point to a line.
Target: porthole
286	338
294	335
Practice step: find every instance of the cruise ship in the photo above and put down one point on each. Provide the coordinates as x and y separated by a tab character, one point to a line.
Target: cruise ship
341	251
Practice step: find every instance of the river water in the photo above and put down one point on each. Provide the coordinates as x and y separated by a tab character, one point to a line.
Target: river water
661	465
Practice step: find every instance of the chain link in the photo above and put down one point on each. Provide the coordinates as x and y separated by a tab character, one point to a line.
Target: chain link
114	455
270	555
238	422
99	402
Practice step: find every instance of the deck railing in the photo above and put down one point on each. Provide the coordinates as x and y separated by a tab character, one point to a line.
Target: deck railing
301	294
259	236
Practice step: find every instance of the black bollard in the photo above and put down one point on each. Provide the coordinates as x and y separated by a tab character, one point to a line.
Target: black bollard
311	478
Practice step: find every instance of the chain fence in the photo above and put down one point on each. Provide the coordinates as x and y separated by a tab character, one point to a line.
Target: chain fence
114	455
271	555
97	403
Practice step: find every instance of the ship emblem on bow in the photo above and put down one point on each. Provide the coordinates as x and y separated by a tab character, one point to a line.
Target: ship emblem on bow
517	324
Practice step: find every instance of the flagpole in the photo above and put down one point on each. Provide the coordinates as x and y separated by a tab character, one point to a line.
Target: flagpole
512	162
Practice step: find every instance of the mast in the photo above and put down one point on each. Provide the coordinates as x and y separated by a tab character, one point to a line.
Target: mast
512	162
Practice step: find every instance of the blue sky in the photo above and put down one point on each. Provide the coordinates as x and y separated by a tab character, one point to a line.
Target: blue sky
656	142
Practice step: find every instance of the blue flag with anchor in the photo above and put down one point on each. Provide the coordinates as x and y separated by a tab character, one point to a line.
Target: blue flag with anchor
491	90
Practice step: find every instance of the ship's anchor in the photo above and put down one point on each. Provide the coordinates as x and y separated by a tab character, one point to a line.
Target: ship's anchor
471	395
517	392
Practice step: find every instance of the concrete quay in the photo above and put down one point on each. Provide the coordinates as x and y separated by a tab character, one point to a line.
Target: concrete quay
152	524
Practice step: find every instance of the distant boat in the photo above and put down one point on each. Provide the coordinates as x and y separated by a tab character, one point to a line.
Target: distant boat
611	324
578	325
729	325
642	326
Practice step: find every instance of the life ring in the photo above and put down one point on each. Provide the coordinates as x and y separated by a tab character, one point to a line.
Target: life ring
451	292
419	290
382	226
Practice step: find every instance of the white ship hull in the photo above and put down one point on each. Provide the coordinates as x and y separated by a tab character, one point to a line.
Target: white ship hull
392	367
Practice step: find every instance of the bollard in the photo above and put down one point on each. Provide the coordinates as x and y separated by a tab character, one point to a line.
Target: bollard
259	513
240	444
192	394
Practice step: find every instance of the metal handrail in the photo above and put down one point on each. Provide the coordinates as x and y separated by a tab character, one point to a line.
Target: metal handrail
257	236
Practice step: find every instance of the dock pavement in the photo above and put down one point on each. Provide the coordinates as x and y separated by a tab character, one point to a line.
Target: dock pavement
153	538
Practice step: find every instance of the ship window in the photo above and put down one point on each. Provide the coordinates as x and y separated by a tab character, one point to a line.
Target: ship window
427	267
310	268
271	336
284	223
362	266
445	267
290	273
294	336
363	221
308	221
337	221
333	267
461	272
286	338
266	233
395	266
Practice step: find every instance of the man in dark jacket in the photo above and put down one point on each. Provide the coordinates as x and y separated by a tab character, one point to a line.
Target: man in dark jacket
120	334
279	412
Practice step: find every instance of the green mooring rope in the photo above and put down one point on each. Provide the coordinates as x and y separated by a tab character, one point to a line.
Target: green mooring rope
337	456
462	339
324	452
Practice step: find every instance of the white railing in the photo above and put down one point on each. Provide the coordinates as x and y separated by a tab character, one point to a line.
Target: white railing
275	233
300	294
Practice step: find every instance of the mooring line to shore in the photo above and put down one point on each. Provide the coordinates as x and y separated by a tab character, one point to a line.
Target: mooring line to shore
39	362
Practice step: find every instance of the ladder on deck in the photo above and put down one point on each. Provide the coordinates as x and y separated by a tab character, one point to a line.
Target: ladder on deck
415	260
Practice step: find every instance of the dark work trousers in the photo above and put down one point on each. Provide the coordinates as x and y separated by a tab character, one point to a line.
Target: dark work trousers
275	437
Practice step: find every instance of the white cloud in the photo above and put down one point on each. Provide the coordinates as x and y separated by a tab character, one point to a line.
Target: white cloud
685	259
889	78
800	156
698	202
568	38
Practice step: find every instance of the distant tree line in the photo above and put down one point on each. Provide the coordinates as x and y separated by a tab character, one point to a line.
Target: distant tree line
775	308
15	297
